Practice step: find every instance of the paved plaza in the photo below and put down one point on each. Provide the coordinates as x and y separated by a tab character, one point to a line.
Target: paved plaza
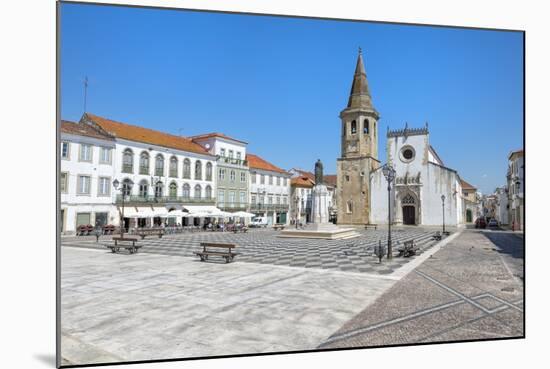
264	247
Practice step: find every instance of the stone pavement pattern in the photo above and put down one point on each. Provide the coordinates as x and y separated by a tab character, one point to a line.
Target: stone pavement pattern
264	247
470	289
148	306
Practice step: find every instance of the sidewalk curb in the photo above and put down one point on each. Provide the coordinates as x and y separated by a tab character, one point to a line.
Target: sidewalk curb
410	266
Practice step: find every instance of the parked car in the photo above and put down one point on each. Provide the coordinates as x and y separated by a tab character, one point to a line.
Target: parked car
480	223
492	223
259	222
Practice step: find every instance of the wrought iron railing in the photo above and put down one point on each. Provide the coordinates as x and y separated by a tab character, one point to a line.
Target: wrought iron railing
269	207
164	199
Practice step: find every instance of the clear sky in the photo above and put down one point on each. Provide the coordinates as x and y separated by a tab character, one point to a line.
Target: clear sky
280	83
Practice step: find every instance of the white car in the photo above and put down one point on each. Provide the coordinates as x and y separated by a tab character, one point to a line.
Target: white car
259	222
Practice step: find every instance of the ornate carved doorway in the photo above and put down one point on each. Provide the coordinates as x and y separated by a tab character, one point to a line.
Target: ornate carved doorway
409	210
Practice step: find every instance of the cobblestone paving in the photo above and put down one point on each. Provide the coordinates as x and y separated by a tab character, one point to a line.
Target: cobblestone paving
470	289
264	247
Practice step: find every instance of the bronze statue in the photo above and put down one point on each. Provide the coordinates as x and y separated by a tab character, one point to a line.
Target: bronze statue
318	172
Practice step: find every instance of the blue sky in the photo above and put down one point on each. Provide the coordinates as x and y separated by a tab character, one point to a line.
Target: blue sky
280	83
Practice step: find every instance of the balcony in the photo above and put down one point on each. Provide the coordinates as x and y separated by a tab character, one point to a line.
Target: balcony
269	207
226	160
140	200
232	206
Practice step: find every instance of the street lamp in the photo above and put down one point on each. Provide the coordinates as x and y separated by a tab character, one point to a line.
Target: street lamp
389	173
296	202
126	186
443	205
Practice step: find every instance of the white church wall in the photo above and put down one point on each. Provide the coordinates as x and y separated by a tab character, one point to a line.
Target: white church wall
439	181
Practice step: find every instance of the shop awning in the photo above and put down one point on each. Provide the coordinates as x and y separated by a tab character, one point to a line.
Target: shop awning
203	210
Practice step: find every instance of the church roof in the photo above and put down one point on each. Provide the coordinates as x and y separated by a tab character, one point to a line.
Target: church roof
145	135
255	162
360	94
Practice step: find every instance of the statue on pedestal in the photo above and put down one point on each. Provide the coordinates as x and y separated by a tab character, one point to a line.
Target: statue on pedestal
318	172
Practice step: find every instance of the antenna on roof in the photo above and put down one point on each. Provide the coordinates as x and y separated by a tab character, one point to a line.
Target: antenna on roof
85	92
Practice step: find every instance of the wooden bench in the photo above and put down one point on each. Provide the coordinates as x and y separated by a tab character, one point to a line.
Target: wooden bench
409	248
278	227
207	251
142	232
131	248
371	226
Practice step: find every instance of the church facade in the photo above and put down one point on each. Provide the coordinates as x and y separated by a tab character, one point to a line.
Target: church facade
424	191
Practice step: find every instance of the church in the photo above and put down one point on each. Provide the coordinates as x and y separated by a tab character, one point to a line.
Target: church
424	191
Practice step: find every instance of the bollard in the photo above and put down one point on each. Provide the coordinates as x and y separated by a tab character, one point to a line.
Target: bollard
379	251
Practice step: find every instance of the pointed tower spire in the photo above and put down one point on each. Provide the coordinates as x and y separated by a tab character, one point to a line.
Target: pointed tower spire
359	94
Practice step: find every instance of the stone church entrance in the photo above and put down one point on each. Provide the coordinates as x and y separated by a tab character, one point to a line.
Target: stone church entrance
408	215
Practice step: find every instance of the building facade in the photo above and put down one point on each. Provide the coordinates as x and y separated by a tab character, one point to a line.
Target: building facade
515	184
232	179
359	151
471	202
502	205
301	188
269	190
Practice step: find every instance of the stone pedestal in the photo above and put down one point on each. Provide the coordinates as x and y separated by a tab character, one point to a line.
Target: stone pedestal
319	204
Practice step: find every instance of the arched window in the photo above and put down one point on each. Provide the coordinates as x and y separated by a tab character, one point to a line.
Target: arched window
144	163
126	187
408	200
353	127
143	188
159	165
349	206
158	189
186	191
208	192
187	169
366	126
174	167
198	169
173	190
127	161
209	171
198	191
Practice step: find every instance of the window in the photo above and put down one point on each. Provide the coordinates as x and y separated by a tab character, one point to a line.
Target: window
127	161
407	154
232	198
84	185
83	218
285	200
65	147
105	155
144	163
159	165
231	154
174	167
85	152
198	191
242	198
243	177
278	181
209	171
253	177
239	155
187	169
270	200
278	200
221	174
104	186
198	169
186	191
270	179
253	199
173	190
63	182
285	181
347	178
222	152
232	176
262	178
126	187
353	127
208	192
143	188
158	189
344	129
349	207
366	126
221	196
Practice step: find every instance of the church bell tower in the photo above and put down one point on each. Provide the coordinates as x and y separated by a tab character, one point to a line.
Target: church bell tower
359	151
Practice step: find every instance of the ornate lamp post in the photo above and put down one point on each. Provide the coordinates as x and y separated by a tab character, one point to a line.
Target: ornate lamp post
443	206
296	211
126	186
389	173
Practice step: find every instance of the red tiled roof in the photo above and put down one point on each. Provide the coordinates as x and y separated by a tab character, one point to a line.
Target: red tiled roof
330	179
81	129
301	181
145	135
256	162
466	186
215	134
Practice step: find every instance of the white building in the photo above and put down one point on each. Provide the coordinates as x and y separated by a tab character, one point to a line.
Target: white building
302	183
515	184
269	190
421	181
86	173
502	205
